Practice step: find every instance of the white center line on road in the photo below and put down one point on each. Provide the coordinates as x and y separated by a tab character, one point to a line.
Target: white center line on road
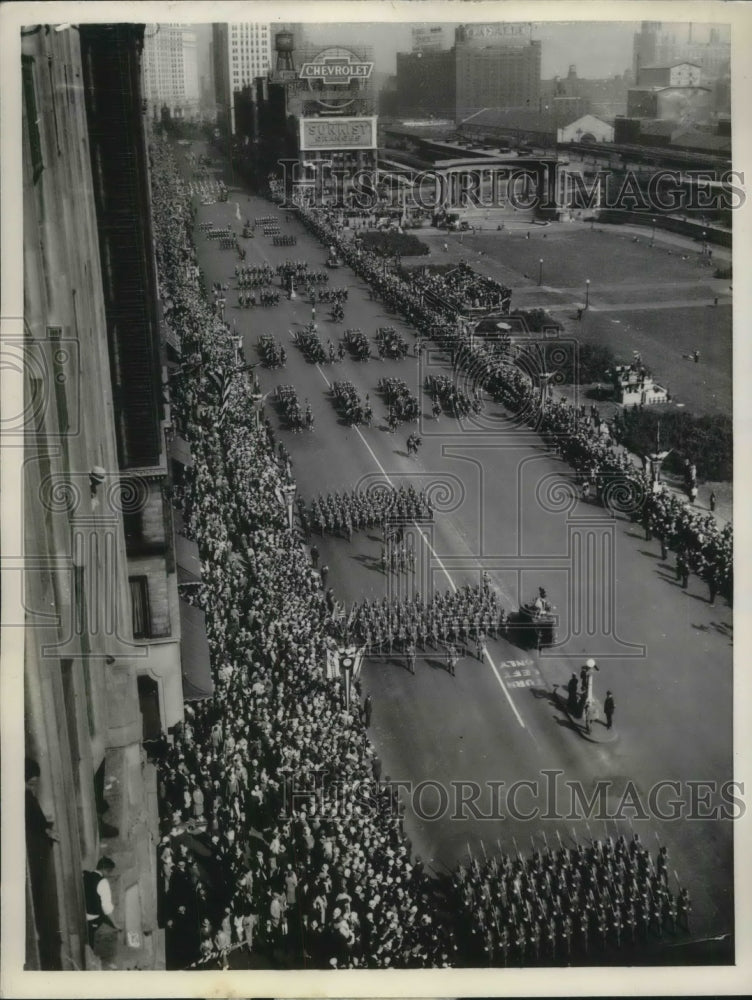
433	552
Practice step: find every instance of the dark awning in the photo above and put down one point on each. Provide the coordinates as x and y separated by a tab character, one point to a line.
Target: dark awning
188	560
194	654
180	451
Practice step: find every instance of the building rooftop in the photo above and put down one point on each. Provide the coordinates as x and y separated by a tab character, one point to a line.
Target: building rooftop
681	62
697	139
521	118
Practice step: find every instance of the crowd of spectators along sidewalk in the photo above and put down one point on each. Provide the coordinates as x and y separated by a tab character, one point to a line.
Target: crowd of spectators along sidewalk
701	546
278	837
293	875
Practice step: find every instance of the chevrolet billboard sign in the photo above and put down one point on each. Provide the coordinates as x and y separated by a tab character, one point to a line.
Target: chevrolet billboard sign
334	67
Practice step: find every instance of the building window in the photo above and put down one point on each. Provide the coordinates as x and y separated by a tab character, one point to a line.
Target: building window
140	606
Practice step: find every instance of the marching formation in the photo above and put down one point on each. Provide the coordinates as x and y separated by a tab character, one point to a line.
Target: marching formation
555	906
309	879
463	617
343	513
295	417
403	405
347	401
271	352
315	878
706	550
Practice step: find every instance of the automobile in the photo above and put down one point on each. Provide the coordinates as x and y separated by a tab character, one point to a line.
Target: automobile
333	261
540	625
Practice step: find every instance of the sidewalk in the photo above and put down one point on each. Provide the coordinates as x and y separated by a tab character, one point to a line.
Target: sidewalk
724	492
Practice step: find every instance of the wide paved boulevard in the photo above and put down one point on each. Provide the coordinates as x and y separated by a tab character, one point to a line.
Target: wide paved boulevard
505	505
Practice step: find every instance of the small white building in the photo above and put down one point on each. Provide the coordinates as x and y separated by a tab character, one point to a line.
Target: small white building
681	74
588	128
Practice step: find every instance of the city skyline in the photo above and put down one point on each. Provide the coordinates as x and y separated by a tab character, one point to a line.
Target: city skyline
605	51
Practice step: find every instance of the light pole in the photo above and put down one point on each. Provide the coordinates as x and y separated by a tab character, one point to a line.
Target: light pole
652	235
288	491
544	377
540	271
587	293
657	457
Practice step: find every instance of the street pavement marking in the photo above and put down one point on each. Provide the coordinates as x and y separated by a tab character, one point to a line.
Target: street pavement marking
503	687
431	549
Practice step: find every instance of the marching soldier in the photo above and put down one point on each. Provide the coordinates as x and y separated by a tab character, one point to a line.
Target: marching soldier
685	908
631	922
452	659
504	943
669	912
410	651
616	926
520	943
656	916
662	865
583	932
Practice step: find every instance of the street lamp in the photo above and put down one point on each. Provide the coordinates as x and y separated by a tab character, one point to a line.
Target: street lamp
587	293
544	382
657	457
288	491
540	271
652	235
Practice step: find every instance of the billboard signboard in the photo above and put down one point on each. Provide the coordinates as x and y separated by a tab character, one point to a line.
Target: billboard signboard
338	133
336	67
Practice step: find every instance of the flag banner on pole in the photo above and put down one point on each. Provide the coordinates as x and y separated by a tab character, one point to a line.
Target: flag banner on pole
218	378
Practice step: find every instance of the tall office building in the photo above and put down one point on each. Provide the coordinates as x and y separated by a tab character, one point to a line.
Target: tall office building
427	82
489	66
110	642
170	70
498	66
242	52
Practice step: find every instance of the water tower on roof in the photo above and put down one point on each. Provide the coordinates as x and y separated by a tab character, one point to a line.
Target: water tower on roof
284	45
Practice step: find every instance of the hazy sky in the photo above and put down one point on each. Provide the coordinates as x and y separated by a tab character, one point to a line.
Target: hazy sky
596	49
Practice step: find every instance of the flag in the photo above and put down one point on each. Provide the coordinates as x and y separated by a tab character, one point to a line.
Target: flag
224	404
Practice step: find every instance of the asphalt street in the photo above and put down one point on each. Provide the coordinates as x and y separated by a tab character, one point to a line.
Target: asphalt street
506	505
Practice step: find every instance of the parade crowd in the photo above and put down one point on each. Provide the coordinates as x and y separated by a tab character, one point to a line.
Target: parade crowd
601	465
281	868
279	838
